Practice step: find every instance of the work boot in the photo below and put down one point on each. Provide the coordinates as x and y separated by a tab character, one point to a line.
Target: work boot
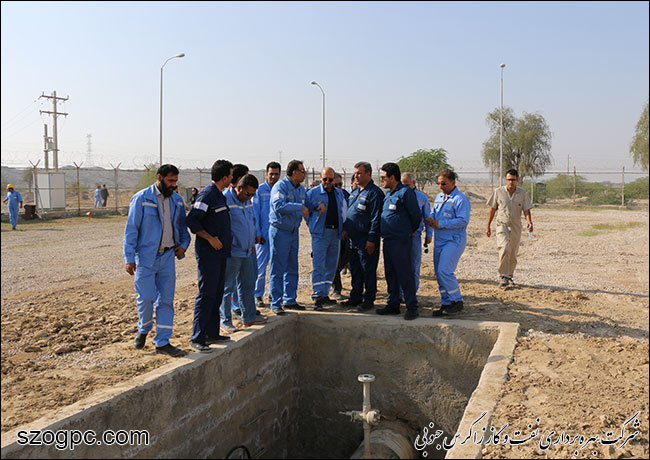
388	310
504	281
455	307
201	348
351	303
279	311
139	340
364	306
170	350
294	306
228	329
411	313
259	302
336	295
215	340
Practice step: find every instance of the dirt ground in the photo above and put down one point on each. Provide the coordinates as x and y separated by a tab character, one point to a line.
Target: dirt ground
580	364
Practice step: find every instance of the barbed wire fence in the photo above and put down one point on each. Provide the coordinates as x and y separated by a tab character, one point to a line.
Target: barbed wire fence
80	182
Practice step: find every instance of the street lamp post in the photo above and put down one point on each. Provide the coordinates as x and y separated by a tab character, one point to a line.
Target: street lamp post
161	93
321	90
501	139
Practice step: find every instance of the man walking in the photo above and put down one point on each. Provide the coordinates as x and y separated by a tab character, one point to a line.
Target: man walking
325	229
289	204
508	202
155	232
14	201
400	218
449	217
104	195
261	204
241	266
408	179
209	219
361	230
98	197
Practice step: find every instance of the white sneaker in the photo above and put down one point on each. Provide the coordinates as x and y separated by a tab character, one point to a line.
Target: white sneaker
227	329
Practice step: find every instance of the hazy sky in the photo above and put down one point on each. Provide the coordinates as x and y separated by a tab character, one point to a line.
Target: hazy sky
397	77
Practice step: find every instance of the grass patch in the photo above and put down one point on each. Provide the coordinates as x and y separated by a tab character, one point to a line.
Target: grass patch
616	226
601	228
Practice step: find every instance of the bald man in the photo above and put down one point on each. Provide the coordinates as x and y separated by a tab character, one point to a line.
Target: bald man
326	229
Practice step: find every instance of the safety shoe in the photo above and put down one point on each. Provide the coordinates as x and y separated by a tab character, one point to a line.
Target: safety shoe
411	313
201	348
504	282
279	311
510	282
227	329
351	303
322	301
388	310
216	340
294	306
455	307
336	295
170	350
258	320
259	302
139	340
364	306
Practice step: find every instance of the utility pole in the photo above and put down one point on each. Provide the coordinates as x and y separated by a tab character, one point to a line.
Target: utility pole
55	114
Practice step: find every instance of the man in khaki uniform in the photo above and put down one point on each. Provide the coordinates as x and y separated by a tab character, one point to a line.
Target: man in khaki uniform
507	203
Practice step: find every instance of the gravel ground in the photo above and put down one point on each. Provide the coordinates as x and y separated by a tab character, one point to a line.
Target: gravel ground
581	362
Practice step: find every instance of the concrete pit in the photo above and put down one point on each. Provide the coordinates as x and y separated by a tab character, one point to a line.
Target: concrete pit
279	390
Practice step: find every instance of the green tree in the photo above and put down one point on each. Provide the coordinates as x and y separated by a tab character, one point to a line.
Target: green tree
639	145
148	176
426	164
526	143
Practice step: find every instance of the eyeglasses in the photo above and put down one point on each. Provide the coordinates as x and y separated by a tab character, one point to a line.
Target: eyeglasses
249	193
302	171
512	180
442	183
327	179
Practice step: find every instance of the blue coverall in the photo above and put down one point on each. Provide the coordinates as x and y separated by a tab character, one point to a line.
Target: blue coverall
325	241
286	214
13	200
362	225
155	272
241	266
210	213
452	214
416	248
400	218
98	198
261	205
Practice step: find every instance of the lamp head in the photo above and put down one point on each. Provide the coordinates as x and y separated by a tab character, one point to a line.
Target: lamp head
314	83
183	55
502	66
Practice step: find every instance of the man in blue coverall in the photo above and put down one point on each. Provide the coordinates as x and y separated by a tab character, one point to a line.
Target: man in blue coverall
241	266
325	229
14	200
288	206
450	217
408	179
239	170
337	286
400	218
361	230
209	219
261	205
98	197
155	232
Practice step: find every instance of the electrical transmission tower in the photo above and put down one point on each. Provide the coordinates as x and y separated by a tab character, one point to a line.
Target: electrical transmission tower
55	114
89	151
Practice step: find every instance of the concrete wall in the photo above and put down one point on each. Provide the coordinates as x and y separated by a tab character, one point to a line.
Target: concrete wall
278	389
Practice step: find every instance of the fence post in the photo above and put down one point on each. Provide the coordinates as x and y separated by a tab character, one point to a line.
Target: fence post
78	188
623	188
532	190
116	185
574	185
37	192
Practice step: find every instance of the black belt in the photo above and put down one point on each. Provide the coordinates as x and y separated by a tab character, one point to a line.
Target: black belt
160	251
331	226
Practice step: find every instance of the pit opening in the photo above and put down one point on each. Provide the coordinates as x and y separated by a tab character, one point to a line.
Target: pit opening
279	389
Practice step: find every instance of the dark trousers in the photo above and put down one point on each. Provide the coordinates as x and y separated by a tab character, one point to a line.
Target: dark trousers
398	268
212	275
343	261
363	268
